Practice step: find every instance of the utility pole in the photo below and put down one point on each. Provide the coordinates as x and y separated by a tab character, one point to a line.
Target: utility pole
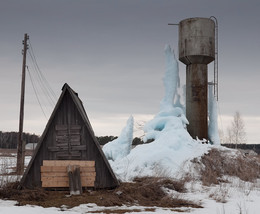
21	145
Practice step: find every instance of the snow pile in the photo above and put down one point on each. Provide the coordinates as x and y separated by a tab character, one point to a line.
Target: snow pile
213	118
163	157
166	119
120	147
171	144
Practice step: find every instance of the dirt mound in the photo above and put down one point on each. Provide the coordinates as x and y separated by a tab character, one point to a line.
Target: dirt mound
143	191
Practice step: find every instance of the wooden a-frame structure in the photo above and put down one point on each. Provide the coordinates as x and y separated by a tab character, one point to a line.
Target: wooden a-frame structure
68	136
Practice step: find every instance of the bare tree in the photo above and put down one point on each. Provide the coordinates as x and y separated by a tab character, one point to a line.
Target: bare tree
236	133
221	136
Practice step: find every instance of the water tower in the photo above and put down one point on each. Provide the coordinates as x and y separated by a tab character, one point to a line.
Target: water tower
196	51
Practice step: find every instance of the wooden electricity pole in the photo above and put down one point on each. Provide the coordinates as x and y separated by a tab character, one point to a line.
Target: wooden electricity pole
21	145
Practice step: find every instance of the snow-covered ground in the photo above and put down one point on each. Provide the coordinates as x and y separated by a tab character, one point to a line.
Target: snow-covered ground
232	198
7	165
240	197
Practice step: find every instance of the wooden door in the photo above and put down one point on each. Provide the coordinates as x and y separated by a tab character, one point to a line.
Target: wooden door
68	142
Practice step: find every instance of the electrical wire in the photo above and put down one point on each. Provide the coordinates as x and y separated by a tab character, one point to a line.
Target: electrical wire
44	94
44	79
41	84
45	84
35	91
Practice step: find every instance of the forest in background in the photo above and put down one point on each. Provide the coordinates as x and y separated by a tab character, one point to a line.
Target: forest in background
8	140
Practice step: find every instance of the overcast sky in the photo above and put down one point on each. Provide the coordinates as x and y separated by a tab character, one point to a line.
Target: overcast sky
111	53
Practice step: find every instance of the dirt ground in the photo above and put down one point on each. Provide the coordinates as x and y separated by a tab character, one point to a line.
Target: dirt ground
144	191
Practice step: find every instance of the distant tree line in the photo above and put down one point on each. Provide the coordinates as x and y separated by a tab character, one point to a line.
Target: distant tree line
8	140
105	139
254	147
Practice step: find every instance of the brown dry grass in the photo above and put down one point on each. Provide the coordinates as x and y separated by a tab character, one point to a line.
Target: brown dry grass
148	191
143	191
217	163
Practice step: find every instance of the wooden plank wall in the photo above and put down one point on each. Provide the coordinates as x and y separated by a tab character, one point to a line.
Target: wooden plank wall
54	173
68	114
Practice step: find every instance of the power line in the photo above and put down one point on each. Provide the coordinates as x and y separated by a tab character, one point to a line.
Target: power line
41	81
44	79
41	84
34	89
41	76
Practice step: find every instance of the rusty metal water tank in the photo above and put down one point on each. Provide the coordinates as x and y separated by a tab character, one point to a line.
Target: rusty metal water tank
197	41
196	50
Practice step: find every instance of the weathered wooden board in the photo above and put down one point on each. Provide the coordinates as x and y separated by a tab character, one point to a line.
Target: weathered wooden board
54	173
65	138
75	185
66	184
66	147
63	169
64	174
66	155
65	179
74	143
65	127
68	162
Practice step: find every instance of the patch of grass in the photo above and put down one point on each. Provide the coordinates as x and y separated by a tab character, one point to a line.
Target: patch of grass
177	185
147	191
217	163
10	191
